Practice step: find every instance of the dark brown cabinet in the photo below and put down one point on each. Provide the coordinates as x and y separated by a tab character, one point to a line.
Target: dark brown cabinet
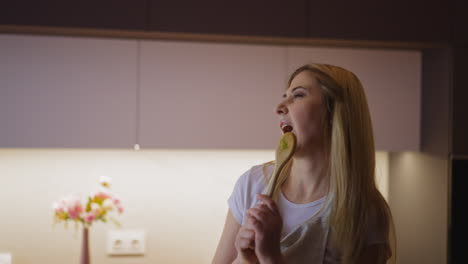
459	99
460	21
244	17
399	20
459	198
104	14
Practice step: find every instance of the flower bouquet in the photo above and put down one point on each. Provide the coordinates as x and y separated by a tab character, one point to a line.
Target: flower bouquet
98	207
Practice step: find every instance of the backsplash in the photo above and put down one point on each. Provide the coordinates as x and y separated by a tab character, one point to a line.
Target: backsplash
177	196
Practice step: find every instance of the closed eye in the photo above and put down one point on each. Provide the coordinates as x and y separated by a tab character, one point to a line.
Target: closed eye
298	95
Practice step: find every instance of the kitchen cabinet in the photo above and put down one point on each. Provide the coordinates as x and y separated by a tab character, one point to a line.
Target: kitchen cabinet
392	82
229	92
460	22
66	92
207	95
459	98
436	123
457	215
103	14
242	17
398	20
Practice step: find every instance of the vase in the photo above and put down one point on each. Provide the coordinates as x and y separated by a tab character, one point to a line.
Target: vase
85	247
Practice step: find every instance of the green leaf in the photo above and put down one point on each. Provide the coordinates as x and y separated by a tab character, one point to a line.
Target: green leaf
117	223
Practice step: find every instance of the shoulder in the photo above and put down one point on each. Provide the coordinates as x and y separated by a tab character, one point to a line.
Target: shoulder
249	184
255	179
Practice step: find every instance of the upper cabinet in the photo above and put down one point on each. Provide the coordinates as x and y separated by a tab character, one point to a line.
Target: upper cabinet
204	95
242	17
107	14
459	113
67	92
398	20
392	82
100	93
460	22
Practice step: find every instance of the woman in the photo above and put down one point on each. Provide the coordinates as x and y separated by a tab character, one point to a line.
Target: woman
326	208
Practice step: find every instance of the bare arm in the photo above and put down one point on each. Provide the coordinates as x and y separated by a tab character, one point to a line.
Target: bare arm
226	251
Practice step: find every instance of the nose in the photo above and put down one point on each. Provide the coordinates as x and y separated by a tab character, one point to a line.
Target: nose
281	109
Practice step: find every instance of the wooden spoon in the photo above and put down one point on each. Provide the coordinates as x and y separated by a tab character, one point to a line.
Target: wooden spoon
284	152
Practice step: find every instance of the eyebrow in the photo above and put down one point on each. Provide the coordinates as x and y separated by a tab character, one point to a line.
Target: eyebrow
294	89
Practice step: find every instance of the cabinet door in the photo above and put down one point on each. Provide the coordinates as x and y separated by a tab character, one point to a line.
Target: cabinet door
397	20
112	14
392	82
460	22
459	113
241	17
67	92
458	230
205	95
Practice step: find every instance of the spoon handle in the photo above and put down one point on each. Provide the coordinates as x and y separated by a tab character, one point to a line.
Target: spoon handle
284	151
273	180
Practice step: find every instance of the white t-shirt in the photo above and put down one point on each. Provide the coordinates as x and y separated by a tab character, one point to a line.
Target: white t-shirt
293	215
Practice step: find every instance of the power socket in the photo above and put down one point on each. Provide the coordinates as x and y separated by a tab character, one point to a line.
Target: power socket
126	242
5	258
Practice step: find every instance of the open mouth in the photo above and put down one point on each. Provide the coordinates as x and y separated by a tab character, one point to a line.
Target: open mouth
286	128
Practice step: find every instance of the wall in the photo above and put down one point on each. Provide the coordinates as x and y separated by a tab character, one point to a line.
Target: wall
177	196
418	193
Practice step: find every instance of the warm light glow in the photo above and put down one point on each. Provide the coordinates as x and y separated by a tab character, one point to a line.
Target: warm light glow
381	172
177	196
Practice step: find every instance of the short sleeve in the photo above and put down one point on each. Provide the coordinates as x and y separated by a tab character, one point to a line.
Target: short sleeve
247	186
237	200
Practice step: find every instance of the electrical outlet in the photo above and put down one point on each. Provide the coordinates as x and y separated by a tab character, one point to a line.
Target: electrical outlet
5	258
126	242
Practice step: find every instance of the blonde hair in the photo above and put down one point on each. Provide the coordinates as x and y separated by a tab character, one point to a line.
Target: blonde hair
350	149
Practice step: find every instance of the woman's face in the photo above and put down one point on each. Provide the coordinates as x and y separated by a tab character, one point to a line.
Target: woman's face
303	109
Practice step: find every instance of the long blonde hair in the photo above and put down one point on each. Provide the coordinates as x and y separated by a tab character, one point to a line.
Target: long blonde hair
350	149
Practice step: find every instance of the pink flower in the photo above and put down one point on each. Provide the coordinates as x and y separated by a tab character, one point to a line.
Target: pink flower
103	194
116	200
94	208
119	208
89	217
74	207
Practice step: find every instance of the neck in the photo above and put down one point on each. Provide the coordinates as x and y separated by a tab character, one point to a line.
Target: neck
308	179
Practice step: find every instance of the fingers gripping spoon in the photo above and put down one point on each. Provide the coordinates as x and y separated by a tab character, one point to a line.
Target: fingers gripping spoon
284	152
